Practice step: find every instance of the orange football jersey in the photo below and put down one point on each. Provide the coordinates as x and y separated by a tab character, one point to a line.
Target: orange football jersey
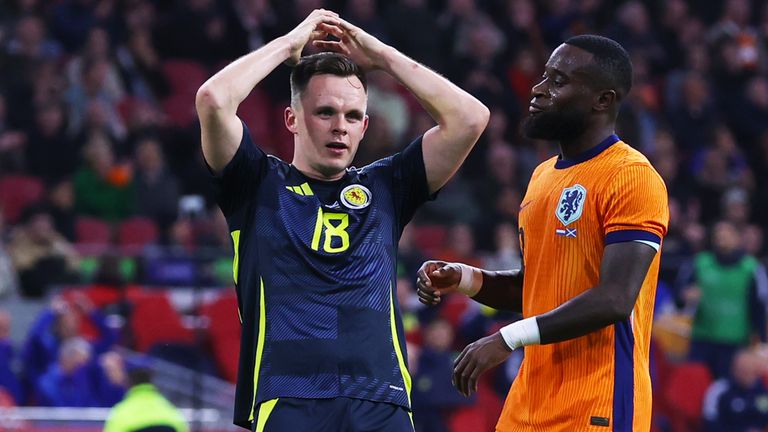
572	209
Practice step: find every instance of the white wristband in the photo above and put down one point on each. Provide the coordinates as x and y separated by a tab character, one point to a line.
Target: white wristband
471	280
521	333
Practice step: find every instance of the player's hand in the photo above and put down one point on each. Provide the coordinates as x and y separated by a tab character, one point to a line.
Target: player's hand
355	43
311	29
436	278
477	358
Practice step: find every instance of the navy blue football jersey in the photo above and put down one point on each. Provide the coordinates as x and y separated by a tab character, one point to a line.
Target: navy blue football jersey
315	273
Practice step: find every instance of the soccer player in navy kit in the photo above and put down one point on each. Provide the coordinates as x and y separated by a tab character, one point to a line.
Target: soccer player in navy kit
322	345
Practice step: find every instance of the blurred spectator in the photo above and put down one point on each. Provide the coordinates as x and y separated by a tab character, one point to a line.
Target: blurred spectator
141	68
433	395
692	121
460	246
507	253
144	407
206	31
103	188
156	189
9	381
418	33
634	31
59	323
41	255
97	48
728	290
61	205
79	378
9	281
51	154
739	402
409	256
717	168
73	19
12	143
93	104
259	20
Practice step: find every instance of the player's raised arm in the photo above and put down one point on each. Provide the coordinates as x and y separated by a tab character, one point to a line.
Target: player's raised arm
460	117
218	98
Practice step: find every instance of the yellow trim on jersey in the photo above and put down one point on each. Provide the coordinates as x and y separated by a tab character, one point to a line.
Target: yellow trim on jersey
259	345
236	262
265	409
307	190
396	342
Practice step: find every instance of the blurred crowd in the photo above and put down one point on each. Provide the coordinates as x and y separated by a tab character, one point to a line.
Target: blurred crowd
102	181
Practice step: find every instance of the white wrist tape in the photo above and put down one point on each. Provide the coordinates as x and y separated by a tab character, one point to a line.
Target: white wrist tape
521	333
471	280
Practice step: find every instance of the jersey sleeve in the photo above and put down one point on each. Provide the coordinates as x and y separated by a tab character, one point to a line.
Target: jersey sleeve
411	189
636	207
238	181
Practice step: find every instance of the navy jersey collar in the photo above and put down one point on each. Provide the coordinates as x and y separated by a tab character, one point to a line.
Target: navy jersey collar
588	154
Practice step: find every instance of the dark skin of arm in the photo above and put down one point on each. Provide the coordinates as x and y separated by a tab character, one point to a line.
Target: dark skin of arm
622	272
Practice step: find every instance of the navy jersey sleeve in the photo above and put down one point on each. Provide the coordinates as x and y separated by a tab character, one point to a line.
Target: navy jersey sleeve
238	181
410	182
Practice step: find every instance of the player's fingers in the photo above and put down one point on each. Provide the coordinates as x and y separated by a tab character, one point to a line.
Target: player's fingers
331	46
330	28
459	365
473	377
466	374
428	298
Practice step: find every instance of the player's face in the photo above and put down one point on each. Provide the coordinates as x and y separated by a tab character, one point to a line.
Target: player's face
562	101
328	125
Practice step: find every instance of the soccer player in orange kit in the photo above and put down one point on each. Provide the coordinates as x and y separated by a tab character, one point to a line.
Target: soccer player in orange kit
591	226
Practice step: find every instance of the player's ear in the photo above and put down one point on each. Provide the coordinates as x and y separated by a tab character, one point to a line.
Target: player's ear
365	125
605	100
290	120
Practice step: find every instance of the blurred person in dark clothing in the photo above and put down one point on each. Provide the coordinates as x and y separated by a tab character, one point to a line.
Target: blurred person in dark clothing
433	395
9	280
418	33
61	205
51	154
693	121
205	31
739	402
40	254
9	381
728	292
13	143
156	189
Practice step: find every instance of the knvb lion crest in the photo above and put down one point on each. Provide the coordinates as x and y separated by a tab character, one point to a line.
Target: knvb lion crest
571	204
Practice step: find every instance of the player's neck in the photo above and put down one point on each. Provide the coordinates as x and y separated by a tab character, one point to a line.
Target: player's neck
569	149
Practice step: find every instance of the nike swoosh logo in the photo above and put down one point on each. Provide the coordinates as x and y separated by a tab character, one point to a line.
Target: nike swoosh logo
525	204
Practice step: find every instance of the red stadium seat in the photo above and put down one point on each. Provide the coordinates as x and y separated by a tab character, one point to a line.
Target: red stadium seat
429	238
17	192
92	231
255	111
224	333
184	76
180	109
155	321
137	232
684	394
